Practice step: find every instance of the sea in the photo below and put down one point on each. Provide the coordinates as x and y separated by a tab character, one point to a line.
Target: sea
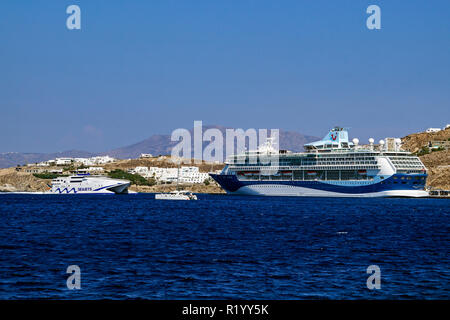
223	247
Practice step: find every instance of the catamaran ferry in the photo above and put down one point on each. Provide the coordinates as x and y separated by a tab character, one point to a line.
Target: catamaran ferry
331	167
82	183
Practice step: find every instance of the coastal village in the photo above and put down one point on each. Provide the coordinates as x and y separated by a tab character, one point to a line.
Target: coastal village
150	173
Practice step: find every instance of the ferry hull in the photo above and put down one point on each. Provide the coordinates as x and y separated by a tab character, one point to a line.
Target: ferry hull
232	185
111	186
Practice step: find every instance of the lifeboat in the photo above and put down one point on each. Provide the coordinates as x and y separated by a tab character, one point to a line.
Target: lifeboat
311	173
362	171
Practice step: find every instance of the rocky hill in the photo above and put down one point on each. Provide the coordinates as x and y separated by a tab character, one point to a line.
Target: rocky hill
11	181
414	142
437	162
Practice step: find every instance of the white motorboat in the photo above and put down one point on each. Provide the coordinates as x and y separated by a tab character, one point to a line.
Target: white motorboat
176	195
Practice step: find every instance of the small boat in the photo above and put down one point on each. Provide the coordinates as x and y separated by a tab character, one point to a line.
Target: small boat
176	195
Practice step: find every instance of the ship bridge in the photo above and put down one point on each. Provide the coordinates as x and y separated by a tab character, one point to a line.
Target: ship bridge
337	138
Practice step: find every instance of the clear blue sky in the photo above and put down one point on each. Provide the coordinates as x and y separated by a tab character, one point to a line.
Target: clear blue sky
137	68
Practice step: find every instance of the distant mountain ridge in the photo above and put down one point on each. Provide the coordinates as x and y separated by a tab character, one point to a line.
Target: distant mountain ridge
162	144
158	144
12	159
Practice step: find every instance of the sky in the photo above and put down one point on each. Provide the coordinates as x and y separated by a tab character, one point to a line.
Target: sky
138	68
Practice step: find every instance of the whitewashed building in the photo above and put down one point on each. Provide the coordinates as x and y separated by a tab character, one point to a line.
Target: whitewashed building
183	174
93	170
63	161
103	159
431	130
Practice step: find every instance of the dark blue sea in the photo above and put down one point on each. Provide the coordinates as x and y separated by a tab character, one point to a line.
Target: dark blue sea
223	247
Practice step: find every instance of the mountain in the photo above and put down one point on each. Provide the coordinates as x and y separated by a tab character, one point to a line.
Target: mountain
12	159
158	144
162	144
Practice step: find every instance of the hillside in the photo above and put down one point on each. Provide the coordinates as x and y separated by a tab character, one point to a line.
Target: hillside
437	162
11	180
414	142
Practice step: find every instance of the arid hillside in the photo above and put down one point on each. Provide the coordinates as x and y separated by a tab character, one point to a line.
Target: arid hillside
414	142
437	162
11	181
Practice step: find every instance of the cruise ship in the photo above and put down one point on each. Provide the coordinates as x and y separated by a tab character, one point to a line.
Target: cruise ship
331	167
85	183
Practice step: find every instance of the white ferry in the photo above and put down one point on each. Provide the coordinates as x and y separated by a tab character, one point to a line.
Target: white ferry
331	167
85	183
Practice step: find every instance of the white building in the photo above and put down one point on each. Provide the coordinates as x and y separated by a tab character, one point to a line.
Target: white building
431	130
43	164
102	160
94	160
183	174
447	126
146	155
91	170
47	163
63	161
84	161
143	171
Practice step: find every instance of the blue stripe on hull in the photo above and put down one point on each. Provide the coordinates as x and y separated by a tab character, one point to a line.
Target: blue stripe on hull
231	184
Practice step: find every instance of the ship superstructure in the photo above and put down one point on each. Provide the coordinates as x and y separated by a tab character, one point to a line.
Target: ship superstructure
333	166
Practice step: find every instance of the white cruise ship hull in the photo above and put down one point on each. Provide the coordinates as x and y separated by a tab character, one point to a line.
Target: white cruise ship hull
293	191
